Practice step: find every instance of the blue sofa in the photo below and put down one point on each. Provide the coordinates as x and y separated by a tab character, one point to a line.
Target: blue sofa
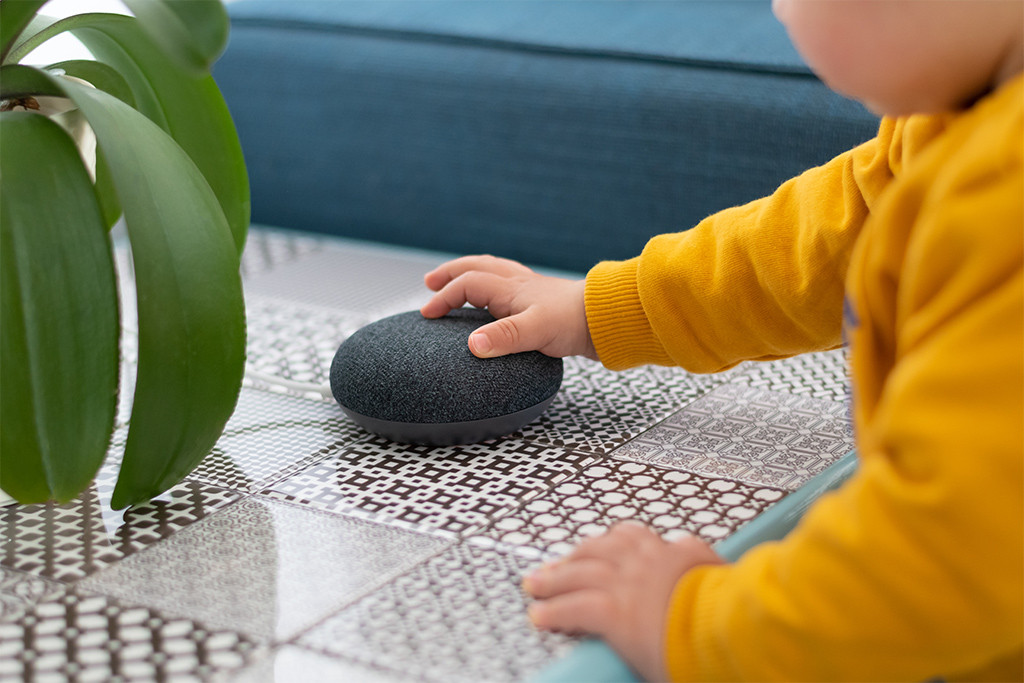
557	132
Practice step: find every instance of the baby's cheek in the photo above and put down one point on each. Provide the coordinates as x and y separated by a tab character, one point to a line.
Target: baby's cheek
780	8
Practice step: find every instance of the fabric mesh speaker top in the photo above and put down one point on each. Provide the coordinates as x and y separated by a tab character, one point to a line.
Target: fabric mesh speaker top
414	380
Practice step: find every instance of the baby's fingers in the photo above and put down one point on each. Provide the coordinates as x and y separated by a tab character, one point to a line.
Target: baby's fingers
568	576
622	541
585	611
514	334
446	272
477	288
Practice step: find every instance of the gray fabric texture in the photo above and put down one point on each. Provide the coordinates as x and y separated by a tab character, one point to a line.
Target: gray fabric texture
556	133
407	368
739	34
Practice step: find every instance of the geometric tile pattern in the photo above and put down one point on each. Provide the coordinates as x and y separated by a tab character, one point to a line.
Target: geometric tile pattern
756	437
266	249
19	591
75	636
270	435
822	375
70	541
461	616
670	502
293	341
263	568
303	548
453	490
598	410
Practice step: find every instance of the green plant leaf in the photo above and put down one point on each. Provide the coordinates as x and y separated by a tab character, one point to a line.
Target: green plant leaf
106	193
193	33
41	29
15	15
190	308
59	320
108	80
17	80
191	110
100	75
22	81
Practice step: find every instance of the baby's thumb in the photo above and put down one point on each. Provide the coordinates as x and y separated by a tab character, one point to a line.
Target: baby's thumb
504	336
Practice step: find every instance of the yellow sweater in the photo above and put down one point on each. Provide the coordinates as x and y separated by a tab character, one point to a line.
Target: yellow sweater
915	568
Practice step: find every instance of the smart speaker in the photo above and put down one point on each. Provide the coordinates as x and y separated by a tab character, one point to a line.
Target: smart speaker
413	379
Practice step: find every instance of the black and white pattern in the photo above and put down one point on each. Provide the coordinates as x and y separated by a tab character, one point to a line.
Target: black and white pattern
294	342
303	548
265	569
19	591
459	617
757	437
70	541
75	636
270	436
452	490
823	375
598	410
267	249
669	501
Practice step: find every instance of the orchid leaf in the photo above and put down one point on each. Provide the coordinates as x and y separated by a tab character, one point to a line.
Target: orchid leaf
108	80
193	33
15	16
191	313
173	163
39	30
59	356
171	97
18	81
98	74
106	193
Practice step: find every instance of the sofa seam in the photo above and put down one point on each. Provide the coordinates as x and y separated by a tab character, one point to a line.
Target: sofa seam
413	35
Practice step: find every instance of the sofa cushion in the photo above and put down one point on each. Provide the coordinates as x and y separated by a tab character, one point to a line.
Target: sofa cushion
556	132
709	32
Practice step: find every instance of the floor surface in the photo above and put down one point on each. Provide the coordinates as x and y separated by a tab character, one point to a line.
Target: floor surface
305	549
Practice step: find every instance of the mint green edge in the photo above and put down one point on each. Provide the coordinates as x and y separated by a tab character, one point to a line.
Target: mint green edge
593	661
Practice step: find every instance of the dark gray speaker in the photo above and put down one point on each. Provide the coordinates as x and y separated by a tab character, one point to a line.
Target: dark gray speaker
414	380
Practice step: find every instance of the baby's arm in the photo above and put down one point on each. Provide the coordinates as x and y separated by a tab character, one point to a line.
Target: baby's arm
535	312
618	586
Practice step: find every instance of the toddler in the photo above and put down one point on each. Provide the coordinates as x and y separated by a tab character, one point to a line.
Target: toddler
910	248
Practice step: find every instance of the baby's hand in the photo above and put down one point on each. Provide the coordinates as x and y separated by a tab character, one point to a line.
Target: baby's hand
618	587
535	312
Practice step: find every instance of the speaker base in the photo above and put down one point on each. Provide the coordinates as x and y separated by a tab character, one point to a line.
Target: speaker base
450	433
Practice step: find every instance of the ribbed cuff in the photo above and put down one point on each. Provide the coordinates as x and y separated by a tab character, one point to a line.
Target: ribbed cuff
619	328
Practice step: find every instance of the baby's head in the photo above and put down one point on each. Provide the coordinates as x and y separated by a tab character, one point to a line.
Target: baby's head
908	56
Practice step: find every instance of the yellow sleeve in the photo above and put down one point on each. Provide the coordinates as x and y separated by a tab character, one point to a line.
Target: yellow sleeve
915	568
759	281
